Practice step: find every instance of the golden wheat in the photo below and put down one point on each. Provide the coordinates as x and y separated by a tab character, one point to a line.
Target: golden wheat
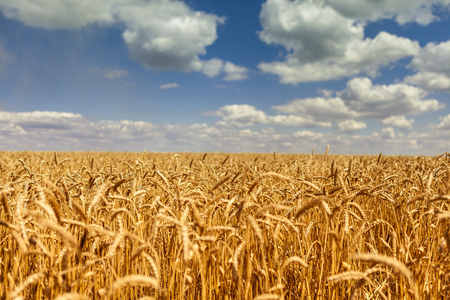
223	226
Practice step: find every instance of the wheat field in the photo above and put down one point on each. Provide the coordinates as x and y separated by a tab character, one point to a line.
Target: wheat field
91	225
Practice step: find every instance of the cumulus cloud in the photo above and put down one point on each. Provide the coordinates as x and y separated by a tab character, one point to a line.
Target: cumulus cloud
381	101
399	122
388	132
433	57
167	35
445	122
433	81
244	115
210	68
235	72
214	67
66	131
169	86
403	11
333	109
310	30
291	120
308	134
350	125
323	44
39	119
362	99
239	115
68	14
40	130
43	130
432	66
159	34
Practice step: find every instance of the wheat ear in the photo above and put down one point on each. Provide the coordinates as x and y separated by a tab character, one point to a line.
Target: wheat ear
393	263
133	280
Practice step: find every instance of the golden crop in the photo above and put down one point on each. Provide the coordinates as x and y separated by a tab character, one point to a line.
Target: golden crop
217	226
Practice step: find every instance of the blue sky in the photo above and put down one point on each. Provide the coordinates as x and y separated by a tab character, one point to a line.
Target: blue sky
226	76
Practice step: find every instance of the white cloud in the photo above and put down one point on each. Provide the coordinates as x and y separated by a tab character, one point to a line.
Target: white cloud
403	11
433	67
210	68
169	86
311	30
430	81
433	57
214	67
67	131
350	125
445	122
111	73
26	124
388	133
244	115
159	34
43	130
43	118
167	35
235	72
239	115
365	56
362	99
322	44
68	14
291	120
382	101
307	134
399	122
332	109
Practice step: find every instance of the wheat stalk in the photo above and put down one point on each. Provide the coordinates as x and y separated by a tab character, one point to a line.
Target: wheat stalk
393	263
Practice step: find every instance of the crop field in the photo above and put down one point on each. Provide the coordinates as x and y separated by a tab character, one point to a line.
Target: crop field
91	225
